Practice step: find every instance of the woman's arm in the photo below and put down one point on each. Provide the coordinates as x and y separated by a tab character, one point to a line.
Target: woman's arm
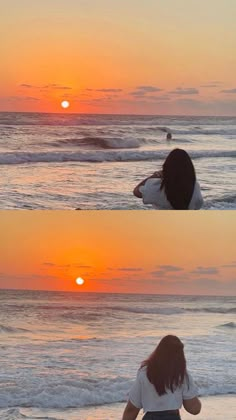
136	191
192	406
131	412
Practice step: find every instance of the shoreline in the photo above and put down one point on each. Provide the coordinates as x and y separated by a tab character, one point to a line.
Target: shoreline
215	407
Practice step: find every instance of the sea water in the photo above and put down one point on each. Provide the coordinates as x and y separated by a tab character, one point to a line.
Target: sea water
73	355
68	161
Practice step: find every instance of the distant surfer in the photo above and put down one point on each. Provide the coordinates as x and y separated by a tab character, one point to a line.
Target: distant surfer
169	136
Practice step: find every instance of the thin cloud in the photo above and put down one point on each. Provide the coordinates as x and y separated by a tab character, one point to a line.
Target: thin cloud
73	265
149	89
105	90
205	271
24	85
230	265
46	87
228	91
170	267
157	98
185	91
129	269
212	84
22	98
144	90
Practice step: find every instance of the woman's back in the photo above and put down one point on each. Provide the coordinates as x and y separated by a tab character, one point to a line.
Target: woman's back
163	384
144	395
153	194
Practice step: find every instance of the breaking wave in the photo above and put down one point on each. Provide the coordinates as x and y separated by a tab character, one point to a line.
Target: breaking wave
228	325
5	329
14	158
71	393
15	414
101	142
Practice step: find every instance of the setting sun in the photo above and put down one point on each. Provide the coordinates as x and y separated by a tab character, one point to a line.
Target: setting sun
79	281
65	104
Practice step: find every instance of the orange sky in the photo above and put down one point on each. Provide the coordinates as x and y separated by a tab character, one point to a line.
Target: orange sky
125	251
126	56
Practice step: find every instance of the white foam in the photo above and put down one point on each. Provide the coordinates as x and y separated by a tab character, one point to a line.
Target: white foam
81	393
13	158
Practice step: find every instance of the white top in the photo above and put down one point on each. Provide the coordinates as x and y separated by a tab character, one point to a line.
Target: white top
152	194
143	394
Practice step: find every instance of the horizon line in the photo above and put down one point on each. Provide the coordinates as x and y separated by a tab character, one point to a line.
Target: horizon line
112	293
118	114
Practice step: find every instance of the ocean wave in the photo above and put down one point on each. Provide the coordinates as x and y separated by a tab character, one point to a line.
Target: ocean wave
15	414
228	325
204	132
215	310
68	393
16	158
101	142
5	329
172	310
151	311
226	198
72	393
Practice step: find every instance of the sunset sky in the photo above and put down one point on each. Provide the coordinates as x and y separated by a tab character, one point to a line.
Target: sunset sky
119	56
128	251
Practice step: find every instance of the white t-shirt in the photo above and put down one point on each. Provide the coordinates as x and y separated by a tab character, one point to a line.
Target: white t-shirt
143	394
152	194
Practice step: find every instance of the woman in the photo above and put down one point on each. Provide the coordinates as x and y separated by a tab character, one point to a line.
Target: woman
175	187
163	385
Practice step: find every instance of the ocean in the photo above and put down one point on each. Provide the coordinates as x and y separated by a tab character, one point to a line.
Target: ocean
69	161
73	356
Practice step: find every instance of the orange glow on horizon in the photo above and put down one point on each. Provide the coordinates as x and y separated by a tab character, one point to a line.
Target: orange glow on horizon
103	58
119	252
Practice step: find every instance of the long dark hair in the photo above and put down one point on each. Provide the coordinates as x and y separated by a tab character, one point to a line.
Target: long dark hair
166	366
178	179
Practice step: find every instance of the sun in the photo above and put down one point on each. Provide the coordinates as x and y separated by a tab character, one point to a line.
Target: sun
79	281
65	104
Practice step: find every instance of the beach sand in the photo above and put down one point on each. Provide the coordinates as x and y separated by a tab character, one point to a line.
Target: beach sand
213	408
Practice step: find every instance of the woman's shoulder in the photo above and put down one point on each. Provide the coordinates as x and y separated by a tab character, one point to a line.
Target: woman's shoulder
142	372
152	183
152	193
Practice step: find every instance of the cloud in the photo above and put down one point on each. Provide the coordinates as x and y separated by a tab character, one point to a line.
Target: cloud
149	89
228	90
230	265
144	90
185	91
162	270
105	90
81	266
153	98
206	283
212	84
46	87
20	280
27	86
57	87
73	265
170	267
129	269
205	270
22	98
